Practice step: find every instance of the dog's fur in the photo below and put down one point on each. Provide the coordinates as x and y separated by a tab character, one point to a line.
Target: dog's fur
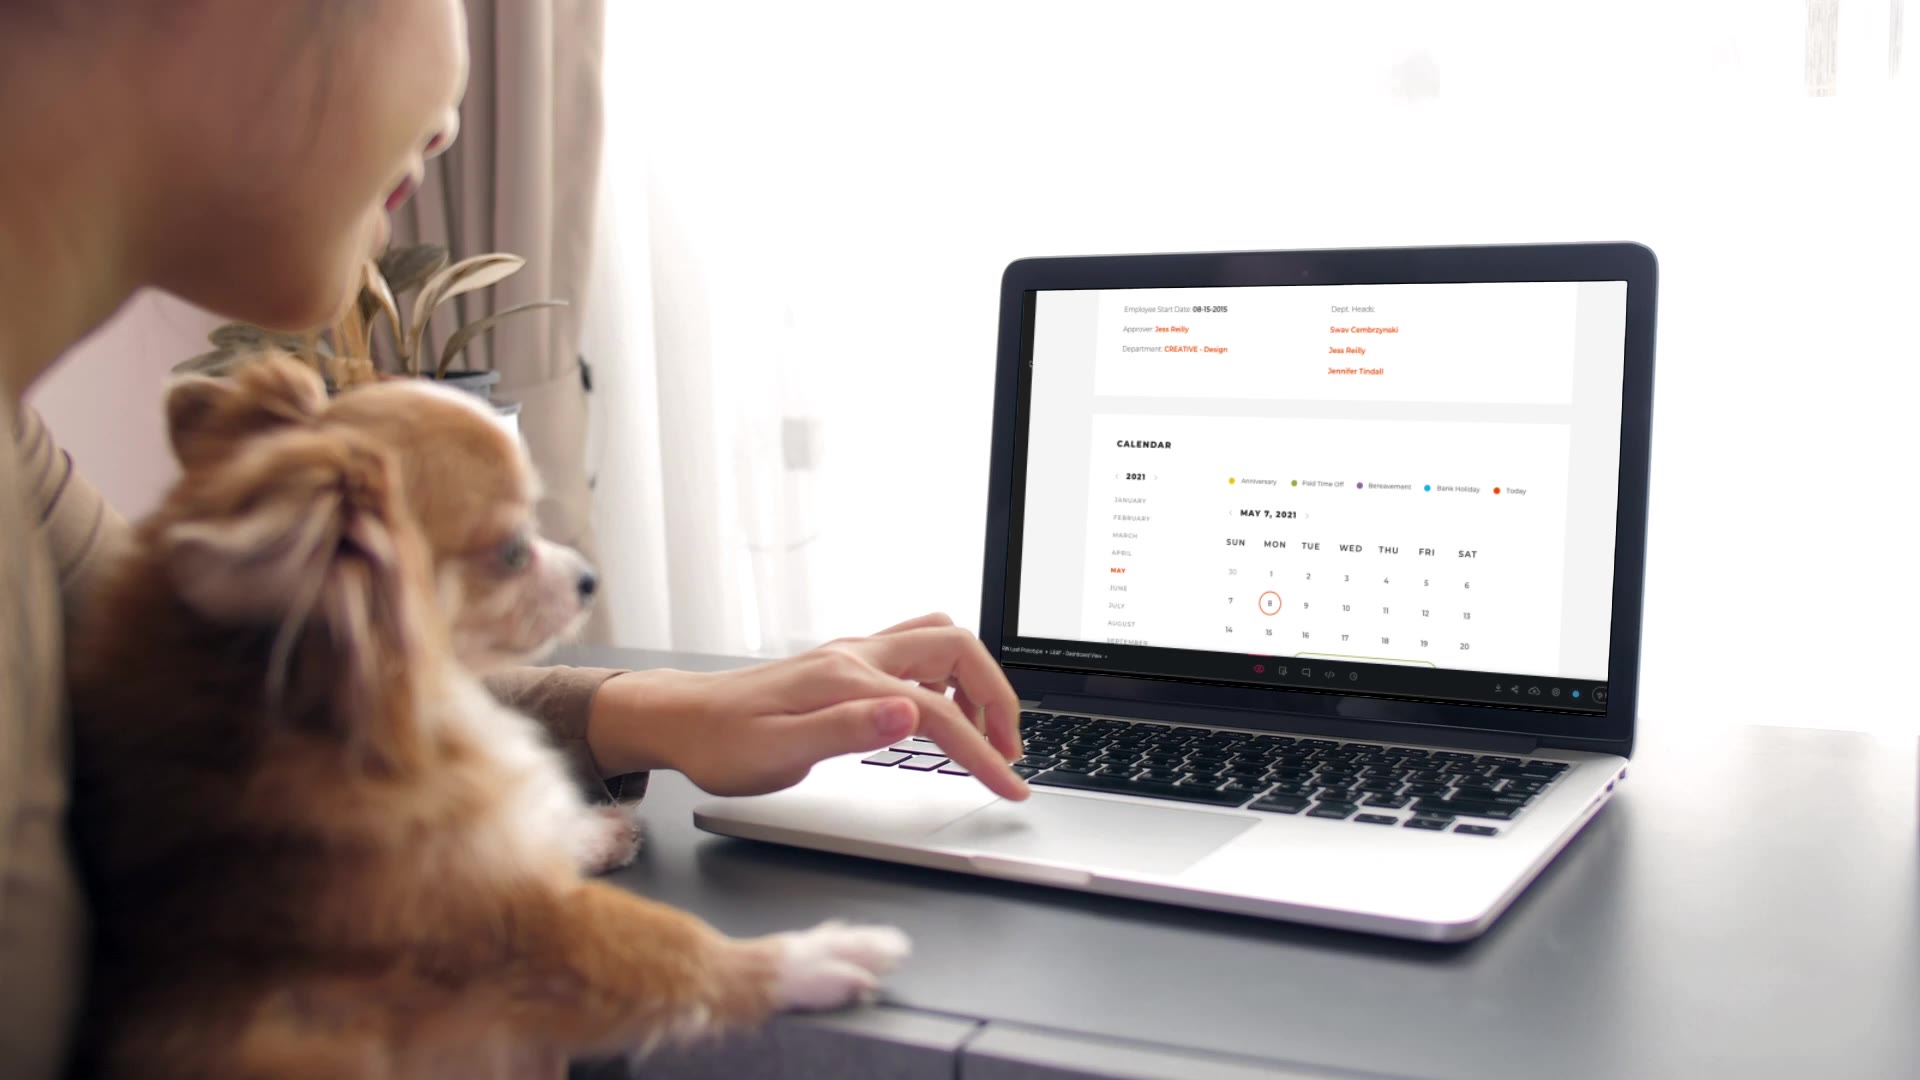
316	847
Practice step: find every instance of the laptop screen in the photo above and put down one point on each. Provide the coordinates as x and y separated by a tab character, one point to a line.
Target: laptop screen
1404	490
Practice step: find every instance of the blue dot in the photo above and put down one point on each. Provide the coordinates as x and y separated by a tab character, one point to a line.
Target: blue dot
1576	693
1429	487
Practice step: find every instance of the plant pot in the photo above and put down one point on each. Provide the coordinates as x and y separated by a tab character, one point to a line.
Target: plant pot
478	383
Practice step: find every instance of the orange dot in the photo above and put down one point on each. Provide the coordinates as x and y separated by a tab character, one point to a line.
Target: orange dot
1496	491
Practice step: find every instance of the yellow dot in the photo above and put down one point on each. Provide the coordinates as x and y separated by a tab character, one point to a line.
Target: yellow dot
1229	479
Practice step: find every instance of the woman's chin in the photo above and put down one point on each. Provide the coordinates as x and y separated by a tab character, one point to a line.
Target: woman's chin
382	235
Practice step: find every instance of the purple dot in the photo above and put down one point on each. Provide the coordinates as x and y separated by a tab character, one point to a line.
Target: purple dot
1359	485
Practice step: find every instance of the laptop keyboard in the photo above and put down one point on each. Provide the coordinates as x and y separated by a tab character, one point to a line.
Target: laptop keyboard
1364	783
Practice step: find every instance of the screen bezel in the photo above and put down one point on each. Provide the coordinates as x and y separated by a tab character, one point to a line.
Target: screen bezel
1634	264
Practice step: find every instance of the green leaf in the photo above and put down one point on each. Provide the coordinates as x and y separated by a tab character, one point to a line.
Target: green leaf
377	295
406	269
234	335
215	363
465	335
465	276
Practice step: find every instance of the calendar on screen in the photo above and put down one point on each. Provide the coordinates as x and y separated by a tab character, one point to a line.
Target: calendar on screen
1403	476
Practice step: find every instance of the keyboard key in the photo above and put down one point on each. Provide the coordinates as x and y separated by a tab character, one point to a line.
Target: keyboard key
1022	771
1386	802
1280	804
950	769
1467	808
1532	770
1120	771
1173	792
1335	810
1431	824
926	763
1032	715
1036	761
1378	787
1318	744
1476	830
1450	755
1376	819
1163	776
885	757
1495	759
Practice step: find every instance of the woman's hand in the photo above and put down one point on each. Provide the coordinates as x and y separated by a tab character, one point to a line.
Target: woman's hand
760	729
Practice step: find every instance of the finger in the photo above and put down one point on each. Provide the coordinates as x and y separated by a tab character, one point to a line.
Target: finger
938	618
935	652
851	727
978	714
955	735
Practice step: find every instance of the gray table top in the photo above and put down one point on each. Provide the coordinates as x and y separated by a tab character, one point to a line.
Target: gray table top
1749	904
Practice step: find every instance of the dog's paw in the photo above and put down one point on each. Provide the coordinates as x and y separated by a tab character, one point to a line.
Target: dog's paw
833	964
610	838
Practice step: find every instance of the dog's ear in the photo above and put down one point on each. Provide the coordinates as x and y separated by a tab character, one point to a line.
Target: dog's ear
305	535
207	417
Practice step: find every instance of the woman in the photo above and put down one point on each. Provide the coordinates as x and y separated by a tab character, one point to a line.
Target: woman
243	156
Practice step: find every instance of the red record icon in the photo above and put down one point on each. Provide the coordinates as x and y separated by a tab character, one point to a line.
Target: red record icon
1269	603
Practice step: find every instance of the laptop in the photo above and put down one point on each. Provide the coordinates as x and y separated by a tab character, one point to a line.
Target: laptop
1318	574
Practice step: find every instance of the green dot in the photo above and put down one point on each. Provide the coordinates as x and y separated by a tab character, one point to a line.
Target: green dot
1296	483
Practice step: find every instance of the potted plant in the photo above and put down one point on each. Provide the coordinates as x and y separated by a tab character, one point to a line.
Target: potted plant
349	353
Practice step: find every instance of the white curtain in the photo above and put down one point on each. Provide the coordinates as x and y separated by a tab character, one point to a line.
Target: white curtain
817	201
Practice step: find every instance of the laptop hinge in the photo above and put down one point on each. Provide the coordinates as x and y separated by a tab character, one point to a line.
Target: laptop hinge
1294	723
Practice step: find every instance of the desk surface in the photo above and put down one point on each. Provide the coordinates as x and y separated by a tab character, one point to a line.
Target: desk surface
1747	905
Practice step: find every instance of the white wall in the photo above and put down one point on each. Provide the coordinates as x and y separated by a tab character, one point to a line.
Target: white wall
102	400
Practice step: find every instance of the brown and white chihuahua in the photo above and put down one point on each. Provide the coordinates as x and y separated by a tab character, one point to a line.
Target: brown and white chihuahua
315	845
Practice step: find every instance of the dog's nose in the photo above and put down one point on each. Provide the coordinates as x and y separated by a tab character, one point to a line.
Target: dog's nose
587	583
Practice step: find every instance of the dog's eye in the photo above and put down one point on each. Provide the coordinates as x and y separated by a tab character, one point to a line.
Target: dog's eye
515	554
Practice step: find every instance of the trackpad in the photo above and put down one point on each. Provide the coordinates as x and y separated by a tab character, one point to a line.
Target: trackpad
1096	833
